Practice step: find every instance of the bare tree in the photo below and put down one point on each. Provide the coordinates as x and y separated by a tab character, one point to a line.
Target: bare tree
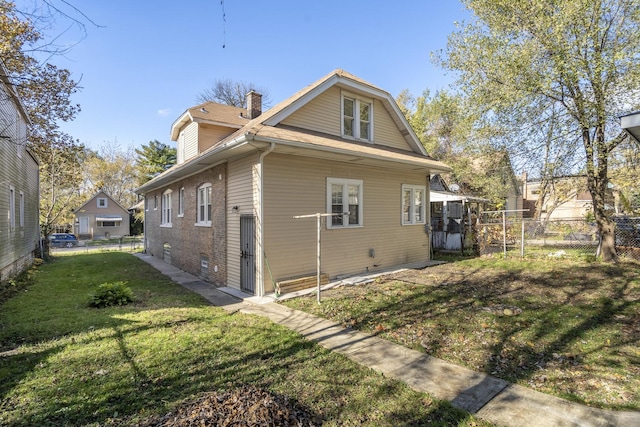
234	93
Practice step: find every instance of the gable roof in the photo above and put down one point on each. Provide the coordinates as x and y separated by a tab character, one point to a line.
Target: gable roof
4	76
345	80
75	212
261	132
211	113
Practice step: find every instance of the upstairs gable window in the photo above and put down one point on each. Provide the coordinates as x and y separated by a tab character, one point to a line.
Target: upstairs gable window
357	117
102	202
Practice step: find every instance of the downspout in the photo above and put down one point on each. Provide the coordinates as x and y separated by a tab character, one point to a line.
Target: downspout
427	224
261	251
144	225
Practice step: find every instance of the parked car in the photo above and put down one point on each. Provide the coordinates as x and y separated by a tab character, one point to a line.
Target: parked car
627	231
63	240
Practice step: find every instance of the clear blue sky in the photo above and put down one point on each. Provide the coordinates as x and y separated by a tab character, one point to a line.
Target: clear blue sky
148	61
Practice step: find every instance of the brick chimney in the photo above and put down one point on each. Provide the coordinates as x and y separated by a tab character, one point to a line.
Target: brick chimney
254	104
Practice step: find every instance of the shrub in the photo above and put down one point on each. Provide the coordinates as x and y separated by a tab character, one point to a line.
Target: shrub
22	281
109	294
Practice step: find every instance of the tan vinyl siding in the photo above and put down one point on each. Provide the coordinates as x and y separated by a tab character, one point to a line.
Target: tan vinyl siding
322	114
190	141
297	186
240	192
385	131
209	135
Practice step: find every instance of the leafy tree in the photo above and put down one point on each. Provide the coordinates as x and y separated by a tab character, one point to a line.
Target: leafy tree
234	93
518	61
46	91
448	131
152	159
625	171
112	170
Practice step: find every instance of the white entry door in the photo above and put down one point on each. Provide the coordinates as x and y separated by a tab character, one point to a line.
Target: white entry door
84	225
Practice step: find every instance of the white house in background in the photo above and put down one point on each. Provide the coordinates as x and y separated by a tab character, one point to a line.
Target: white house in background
19	185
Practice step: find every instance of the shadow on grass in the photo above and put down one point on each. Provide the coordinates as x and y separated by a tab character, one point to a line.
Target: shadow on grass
512	323
121	365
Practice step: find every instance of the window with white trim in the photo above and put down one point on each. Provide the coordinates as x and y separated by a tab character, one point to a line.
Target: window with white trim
102	202
165	209
344	200
413	204
21	206
357	117
204	204
181	202
108	223
12	208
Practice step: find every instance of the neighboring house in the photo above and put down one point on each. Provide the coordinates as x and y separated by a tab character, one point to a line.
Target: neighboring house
226	210
19	185
490	175
566	198
631	124
452	216
101	218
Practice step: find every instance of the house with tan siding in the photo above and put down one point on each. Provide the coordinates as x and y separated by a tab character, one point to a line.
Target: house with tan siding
19	185
340	146
101	217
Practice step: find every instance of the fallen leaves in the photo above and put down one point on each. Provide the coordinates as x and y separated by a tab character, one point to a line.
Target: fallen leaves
244	406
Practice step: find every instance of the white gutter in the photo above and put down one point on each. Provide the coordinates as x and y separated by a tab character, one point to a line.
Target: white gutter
193	165
260	223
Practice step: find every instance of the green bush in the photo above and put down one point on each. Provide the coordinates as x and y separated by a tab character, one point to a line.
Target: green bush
109	294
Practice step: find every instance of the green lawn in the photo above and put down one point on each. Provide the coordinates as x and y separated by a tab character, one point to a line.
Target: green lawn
63	363
567	327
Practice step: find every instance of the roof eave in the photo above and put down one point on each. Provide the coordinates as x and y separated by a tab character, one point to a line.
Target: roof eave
630	123
432	166
177	125
205	160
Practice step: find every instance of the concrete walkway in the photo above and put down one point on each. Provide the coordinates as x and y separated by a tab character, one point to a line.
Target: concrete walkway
487	397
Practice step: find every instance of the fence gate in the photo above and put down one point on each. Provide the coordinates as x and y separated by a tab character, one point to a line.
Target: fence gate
247	253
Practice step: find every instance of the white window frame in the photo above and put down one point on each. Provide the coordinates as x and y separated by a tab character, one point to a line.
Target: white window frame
102	199
181	148
165	209
408	212
357	102
203	200
345	183
21	207
12	208
181	202
101	224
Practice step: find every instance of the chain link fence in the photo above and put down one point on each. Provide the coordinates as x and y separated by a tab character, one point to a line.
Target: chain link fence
553	238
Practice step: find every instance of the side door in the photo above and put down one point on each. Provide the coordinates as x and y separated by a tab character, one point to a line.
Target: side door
247	253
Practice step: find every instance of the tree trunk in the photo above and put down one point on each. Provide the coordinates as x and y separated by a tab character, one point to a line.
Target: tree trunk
597	182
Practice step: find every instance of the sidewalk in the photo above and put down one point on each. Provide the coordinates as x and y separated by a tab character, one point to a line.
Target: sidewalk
487	397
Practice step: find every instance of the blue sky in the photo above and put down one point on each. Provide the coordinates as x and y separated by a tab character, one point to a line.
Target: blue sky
147	62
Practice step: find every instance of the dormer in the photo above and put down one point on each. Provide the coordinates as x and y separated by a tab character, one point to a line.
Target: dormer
204	125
